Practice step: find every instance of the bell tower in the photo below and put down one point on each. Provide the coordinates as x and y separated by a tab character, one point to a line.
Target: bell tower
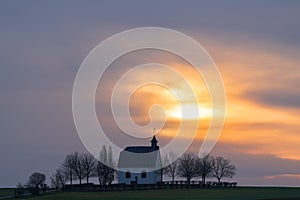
154	143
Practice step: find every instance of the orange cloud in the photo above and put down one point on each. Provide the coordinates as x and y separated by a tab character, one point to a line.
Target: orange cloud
255	122
281	176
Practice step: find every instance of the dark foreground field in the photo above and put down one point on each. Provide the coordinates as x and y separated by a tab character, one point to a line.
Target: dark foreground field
173	194
6	192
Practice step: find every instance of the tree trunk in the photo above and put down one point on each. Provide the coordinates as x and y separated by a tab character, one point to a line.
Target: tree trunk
203	180
87	178
188	180
71	178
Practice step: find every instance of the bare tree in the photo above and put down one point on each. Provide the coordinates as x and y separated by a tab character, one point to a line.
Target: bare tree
186	166
68	167
59	178
101	173
77	165
111	171
36	181
222	167
89	164
204	167
101	167
171	169
104	172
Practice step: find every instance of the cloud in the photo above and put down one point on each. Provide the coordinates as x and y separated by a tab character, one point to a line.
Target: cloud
278	97
283	176
278	139
257	56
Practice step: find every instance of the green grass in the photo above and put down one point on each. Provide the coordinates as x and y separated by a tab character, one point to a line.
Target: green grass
174	194
6	191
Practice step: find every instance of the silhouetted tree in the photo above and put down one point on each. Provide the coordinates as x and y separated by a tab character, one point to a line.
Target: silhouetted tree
222	167
59	178
171	162
68	168
103	170
77	165
89	164
186	166
36	181
111	170
204	167
101	166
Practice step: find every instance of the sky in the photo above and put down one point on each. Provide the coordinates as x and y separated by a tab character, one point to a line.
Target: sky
255	45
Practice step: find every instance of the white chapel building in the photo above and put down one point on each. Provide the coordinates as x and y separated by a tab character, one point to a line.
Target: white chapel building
140	164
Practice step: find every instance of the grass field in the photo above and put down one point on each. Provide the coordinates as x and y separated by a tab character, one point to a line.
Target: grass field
174	194
6	191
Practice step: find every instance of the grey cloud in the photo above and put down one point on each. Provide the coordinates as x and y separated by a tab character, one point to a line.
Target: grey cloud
289	98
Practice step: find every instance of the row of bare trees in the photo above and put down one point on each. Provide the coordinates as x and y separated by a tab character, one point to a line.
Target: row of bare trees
190	166
80	166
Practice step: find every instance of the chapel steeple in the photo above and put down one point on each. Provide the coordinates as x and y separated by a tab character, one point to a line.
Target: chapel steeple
154	143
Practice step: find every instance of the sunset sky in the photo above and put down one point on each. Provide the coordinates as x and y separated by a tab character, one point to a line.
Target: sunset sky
255	45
